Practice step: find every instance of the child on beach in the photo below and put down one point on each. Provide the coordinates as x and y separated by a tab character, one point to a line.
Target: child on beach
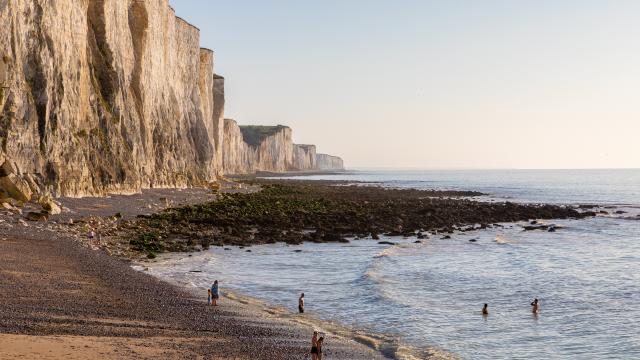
208	296
214	293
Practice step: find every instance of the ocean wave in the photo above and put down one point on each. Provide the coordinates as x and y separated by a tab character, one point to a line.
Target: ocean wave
373	270
502	239
390	251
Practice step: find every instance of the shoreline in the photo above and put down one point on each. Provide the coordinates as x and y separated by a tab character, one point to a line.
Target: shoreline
385	345
60	294
279	337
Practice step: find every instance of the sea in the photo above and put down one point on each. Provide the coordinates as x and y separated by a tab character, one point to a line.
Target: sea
422	300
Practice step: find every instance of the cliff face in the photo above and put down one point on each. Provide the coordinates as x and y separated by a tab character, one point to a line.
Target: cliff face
249	149
100	96
304	157
270	147
106	95
237	157
326	162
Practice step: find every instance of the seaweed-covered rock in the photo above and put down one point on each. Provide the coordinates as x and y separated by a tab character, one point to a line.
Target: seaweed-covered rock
293	212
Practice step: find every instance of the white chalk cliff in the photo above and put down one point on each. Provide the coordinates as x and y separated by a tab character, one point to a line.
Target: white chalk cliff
328	162
304	157
251	149
102	96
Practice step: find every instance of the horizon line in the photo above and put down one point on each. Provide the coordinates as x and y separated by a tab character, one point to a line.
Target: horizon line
384	168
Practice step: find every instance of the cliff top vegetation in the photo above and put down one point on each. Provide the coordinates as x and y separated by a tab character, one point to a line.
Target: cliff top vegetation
254	134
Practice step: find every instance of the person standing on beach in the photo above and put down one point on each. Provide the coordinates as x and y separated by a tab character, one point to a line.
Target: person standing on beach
320	341
534	306
301	304
208	296
314	346
214	293
485	310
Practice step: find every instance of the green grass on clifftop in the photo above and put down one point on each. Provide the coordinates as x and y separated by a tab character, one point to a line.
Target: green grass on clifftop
255	134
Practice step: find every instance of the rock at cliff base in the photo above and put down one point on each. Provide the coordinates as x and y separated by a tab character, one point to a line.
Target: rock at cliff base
16	187
36	216
7	206
10	207
50	206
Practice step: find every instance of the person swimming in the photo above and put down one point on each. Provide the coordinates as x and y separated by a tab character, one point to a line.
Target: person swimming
301	304
314	346
485	310
534	306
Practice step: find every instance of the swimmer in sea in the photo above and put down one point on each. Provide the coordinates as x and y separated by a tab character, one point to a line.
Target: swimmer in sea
485	310
534	306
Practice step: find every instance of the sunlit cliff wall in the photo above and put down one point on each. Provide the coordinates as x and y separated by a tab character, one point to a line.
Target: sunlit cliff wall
102	96
106	95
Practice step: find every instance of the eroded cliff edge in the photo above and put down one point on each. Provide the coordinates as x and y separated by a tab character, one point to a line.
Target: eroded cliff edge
101	96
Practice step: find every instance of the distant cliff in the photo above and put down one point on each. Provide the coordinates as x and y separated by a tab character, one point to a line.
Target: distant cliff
249	149
100	96
329	162
256	148
304	157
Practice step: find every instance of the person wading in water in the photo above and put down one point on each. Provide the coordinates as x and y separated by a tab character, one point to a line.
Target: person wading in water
301	304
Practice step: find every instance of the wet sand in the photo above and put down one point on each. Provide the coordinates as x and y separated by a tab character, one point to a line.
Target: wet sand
62	299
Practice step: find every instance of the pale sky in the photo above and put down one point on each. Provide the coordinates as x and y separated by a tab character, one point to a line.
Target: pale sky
435	84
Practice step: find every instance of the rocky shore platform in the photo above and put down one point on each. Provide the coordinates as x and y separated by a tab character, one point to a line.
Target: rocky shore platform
294	211
62	297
